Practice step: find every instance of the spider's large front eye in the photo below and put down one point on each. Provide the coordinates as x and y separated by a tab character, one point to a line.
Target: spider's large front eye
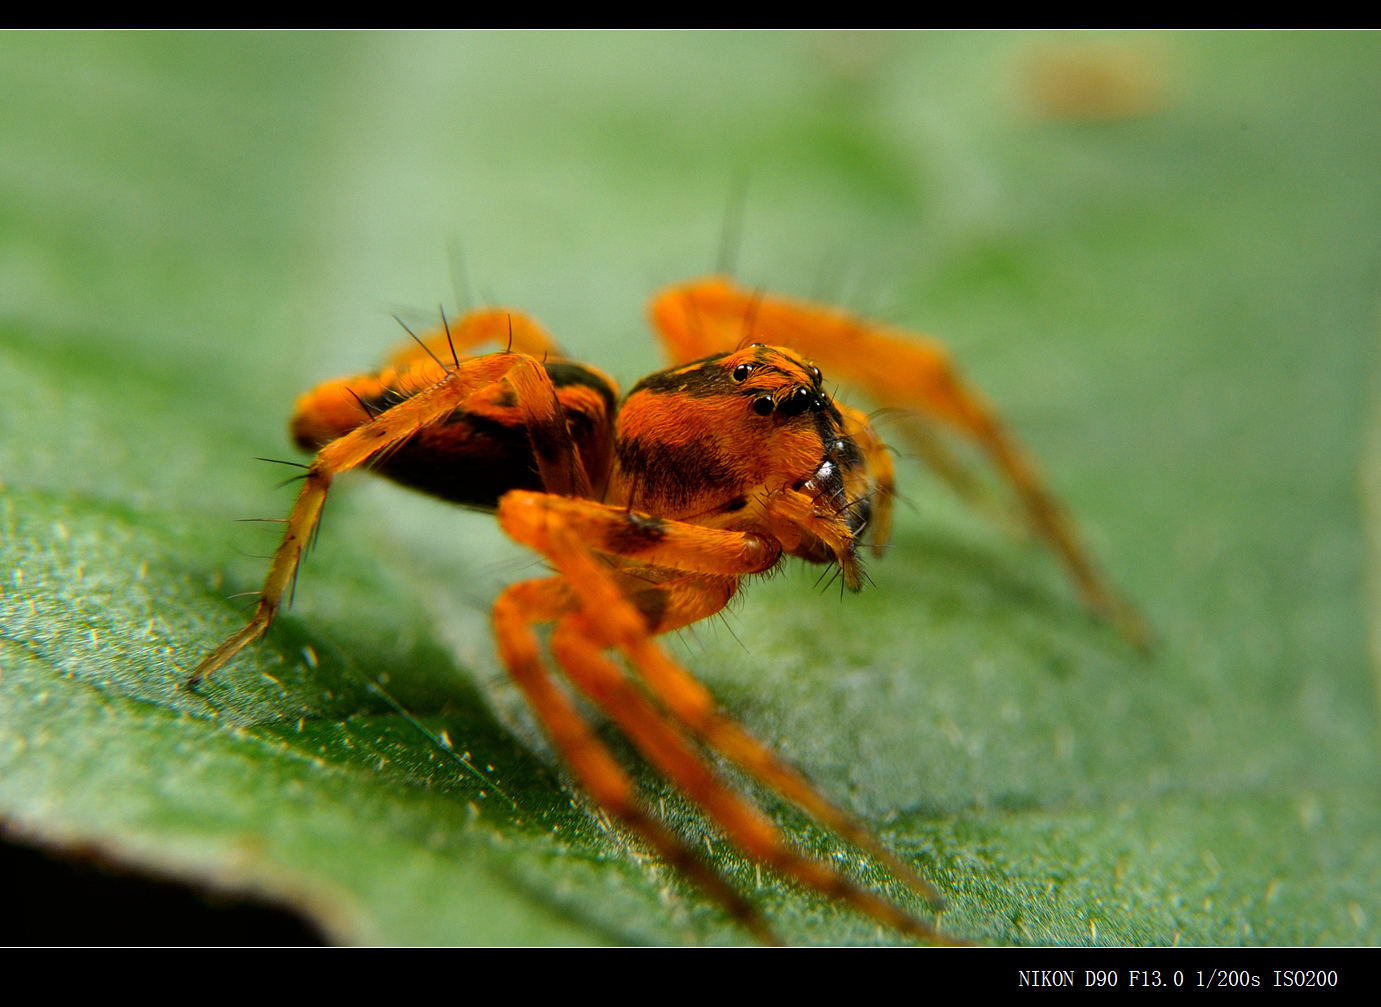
741	372
799	401
763	405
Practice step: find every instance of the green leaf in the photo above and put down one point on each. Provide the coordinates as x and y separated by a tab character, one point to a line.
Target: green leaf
1177	310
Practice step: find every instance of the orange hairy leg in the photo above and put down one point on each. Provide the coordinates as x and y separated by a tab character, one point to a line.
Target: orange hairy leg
386	431
517	609
610	615
577	645
540	412
900	370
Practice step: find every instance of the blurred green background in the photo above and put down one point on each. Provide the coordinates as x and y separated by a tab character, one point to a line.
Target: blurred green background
1158	255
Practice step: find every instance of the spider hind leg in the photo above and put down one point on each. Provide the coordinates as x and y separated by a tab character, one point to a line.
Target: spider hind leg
900	371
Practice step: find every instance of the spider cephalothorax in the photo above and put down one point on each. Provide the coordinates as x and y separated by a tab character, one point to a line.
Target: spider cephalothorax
653	510
718	441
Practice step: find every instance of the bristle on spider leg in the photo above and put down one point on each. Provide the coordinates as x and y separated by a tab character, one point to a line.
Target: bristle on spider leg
280	461
371	413
419	342
449	342
722	619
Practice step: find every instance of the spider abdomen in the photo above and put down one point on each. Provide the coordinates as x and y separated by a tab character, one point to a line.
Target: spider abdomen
479	452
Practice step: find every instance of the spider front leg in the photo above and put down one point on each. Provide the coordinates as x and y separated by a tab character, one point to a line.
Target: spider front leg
515	613
901	371
372	438
610	615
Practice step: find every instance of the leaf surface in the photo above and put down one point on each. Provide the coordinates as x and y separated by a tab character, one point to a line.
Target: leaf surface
1176	309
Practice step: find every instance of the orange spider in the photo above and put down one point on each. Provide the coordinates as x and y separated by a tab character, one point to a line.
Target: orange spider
653	510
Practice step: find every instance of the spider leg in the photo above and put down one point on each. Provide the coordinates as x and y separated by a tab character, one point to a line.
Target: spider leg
565	531
542	601
552	445
576	645
901	371
557	459
528	518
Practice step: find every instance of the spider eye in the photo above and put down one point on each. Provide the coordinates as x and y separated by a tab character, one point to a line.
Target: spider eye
742	371
799	401
763	405
815	373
